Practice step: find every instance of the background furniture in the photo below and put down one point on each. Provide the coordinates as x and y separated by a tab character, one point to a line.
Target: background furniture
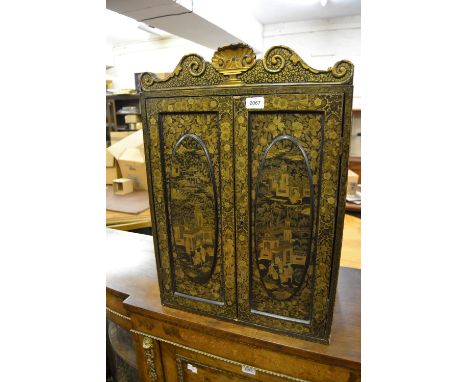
173	345
128	222
115	121
353	208
355	155
121	355
355	146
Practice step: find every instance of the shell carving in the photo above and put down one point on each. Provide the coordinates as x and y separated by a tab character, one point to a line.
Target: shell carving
232	60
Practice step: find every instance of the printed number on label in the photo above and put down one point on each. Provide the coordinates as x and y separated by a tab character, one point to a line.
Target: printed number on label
255	103
248	370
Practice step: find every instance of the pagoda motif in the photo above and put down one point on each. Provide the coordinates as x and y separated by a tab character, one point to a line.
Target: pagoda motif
276	254
193	209
282	219
195	239
284	186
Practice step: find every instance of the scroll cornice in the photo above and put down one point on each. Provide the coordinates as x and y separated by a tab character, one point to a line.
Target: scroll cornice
282	65
237	65
192	70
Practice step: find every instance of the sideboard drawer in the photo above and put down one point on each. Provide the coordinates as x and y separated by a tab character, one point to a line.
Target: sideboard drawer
184	365
189	370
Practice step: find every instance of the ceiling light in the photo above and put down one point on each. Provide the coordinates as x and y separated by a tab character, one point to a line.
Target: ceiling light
323	2
155	31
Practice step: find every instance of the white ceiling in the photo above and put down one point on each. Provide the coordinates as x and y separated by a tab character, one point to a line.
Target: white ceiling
282	11
123	29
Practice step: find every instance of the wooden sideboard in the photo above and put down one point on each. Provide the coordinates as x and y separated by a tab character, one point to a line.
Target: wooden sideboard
174	345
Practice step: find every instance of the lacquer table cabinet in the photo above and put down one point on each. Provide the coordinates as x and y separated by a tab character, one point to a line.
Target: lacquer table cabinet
174	345
247	161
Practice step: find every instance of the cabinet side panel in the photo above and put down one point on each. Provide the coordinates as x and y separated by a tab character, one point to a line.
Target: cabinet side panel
149	124
343	177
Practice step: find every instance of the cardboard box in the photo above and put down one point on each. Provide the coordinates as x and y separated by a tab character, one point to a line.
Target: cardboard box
112	171
109	159
352	183
130	156
132	118
122	186
111	174
116	136
132	164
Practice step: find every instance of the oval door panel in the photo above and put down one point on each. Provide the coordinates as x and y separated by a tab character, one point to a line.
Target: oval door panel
283	217
194	209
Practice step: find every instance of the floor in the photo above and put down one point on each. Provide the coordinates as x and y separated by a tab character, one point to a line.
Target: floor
351	249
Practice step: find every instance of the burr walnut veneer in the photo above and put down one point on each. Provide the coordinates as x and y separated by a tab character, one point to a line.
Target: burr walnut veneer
175	345
247	164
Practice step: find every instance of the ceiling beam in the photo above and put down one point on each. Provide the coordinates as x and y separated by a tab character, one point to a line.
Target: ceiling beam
210	23
315	25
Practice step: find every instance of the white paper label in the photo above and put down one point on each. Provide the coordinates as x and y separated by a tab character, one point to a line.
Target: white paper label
248	369
255	103
192	368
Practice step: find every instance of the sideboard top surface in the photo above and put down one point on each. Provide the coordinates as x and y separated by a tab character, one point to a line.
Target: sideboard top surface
131	271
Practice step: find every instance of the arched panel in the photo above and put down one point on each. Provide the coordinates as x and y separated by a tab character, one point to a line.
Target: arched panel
193	208
283	214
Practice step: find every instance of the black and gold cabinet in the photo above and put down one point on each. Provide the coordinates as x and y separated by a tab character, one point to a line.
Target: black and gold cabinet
247	160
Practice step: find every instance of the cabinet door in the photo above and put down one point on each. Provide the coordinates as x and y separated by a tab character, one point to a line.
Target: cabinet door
120	352
288	163
189	147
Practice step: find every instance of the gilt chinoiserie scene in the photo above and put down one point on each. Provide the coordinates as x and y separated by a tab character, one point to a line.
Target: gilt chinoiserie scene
282	217
194	207
248	203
